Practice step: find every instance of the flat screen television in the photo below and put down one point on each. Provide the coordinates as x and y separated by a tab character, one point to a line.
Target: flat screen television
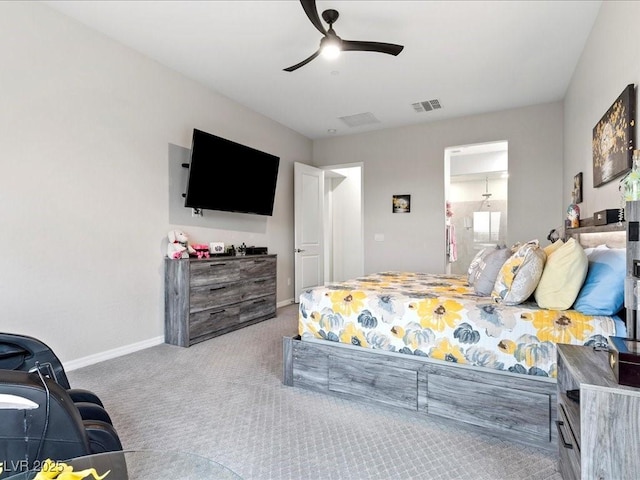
228	176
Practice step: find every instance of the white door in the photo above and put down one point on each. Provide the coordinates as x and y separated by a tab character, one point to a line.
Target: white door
308	185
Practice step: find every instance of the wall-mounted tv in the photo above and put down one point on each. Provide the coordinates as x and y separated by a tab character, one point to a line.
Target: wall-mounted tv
228	176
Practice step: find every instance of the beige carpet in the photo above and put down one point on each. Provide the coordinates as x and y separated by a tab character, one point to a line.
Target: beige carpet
224	399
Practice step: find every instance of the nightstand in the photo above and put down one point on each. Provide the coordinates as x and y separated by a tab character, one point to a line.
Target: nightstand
598	419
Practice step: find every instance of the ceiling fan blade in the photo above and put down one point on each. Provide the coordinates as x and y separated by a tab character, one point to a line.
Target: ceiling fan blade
355	46
311	10
302	63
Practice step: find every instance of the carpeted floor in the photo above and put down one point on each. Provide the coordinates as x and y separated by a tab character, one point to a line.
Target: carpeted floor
224	399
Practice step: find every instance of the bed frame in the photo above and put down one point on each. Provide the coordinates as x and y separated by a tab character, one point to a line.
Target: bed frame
520	408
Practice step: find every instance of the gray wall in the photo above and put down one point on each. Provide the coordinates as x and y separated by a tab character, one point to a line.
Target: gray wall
86	128
410	160
609	62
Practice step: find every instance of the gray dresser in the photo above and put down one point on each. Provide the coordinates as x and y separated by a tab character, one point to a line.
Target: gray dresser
599	435
209	297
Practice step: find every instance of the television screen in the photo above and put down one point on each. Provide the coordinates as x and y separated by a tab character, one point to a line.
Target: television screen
228	176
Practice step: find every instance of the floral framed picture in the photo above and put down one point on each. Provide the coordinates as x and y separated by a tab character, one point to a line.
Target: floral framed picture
401	203
614	139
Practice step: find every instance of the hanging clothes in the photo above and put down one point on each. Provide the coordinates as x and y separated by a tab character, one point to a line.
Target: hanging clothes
452	249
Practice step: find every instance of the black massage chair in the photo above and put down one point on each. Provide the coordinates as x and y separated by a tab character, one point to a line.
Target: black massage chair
24	353
39	420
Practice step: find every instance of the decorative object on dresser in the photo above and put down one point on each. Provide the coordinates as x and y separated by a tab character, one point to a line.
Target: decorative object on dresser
624	358
178	246
614	138
205	298
216	248
598	436
257	250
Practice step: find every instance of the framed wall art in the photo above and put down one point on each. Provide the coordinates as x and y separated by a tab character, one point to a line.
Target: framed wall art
614	139
401	203
577	188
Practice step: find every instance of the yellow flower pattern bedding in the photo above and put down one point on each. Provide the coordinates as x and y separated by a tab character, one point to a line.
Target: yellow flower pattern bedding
439	316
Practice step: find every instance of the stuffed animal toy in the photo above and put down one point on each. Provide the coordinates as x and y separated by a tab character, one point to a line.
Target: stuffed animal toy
179	245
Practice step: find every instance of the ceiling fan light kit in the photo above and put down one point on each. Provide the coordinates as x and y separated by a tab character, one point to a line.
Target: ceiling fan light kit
330	47
331	44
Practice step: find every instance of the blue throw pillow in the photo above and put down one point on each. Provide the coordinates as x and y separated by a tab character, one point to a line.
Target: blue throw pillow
603	290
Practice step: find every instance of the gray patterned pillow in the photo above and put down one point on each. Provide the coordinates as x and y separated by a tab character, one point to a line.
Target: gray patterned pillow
520	274
474	267
488	270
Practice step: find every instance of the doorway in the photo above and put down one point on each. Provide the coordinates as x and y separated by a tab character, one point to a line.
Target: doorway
329	226
476	194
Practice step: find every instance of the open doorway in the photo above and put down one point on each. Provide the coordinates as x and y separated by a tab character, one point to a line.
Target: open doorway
476	194
344	229
328	213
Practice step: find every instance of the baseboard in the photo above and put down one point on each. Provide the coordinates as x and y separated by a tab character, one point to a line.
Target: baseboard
285	303
134	347
109	354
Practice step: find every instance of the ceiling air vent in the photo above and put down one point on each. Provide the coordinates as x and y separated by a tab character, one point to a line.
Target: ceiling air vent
426	106
360	119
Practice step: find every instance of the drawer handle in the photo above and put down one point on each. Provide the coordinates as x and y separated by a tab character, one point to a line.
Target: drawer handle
216	313
217	265
217	288
561	435
262	300
260	281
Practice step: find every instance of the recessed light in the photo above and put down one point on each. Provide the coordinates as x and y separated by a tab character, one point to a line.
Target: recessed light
332	130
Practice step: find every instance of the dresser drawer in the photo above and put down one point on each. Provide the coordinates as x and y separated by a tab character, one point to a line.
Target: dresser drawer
567	447
258	288
211	296
258	267
208	322
260	307
208	272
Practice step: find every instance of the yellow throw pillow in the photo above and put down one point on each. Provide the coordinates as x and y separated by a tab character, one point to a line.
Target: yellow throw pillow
549	249
563	276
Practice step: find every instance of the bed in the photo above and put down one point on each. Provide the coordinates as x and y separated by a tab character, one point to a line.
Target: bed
429	344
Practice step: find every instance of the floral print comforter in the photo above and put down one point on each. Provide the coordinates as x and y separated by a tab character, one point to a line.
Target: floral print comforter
439	316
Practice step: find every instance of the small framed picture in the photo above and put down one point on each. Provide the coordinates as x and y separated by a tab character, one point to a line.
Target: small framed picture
401	203
577	188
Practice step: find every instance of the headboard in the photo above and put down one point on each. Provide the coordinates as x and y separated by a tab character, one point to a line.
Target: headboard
612	235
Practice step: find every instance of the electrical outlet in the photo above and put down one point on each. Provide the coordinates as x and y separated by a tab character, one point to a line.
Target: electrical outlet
288	281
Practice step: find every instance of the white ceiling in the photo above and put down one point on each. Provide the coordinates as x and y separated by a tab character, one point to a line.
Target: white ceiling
473	56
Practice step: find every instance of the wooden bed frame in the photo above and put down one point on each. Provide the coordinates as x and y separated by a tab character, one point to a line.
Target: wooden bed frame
520	408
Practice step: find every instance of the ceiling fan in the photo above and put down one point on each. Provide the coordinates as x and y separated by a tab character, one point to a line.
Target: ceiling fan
331	44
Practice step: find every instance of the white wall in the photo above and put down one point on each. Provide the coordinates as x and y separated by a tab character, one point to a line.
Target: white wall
609	62
410	160
85	128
